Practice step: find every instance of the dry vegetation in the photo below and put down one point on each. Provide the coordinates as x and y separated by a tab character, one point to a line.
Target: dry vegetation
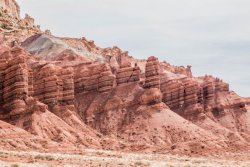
92	158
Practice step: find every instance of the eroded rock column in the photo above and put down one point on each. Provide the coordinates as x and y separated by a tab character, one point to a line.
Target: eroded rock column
127	74
15	84
152	72
173	94
106	80
48	87
208	93
191	92
68	94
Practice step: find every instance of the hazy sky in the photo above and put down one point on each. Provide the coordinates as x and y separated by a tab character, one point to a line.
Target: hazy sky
211	35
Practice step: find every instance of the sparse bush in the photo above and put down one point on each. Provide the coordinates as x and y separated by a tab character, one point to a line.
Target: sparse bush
138	163
39	157
14	165
49	158
173	147
4	26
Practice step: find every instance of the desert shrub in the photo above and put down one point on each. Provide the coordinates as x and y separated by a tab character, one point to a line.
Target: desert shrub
49	158
39	157
4	26
173	147
138	163
14	165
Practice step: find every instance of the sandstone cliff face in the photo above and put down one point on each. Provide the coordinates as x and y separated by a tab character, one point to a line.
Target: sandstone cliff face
173	93
186	71
53	86
14	83
105	80
93	77
127	74
209	93
13	29
152	73
191	92
11	7
93	96
74	94
29	88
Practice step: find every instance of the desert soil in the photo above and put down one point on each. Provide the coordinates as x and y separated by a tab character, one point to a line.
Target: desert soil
101	158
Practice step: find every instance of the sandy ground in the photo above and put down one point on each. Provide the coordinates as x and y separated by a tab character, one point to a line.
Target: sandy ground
101	158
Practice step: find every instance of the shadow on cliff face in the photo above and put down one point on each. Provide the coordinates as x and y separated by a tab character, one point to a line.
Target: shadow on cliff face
140	121
87	105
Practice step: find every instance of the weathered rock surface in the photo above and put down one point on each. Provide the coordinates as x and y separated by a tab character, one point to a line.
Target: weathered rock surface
54	48
13	29
39	95
11	7
77	95
173	93
15	86
13	137
93	77
152	73
127	74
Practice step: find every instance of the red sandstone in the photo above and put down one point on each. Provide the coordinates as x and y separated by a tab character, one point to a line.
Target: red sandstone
106	99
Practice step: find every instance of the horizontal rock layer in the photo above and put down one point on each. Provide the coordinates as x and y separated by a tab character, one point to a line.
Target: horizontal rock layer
127	74
57	85
15	84
152	73
53	86
96	77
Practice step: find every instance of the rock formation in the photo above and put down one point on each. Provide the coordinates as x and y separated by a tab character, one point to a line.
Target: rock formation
190	92
13	29
52	85
105	80
173	93
152	73
95	96
208	93
127	74
67	77
11	7
74	94
96	77
14	83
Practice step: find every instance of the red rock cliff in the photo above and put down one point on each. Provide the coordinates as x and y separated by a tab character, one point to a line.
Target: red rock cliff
11	7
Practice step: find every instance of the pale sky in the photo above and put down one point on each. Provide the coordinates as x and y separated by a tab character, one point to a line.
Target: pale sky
211	35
